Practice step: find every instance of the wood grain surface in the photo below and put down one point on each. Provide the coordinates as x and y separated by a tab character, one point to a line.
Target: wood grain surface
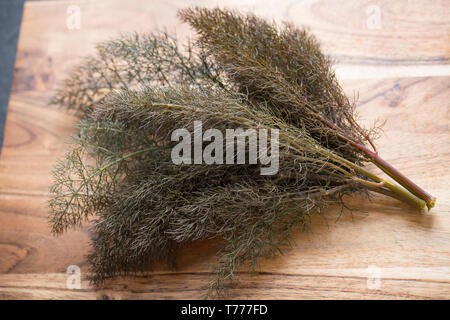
401	72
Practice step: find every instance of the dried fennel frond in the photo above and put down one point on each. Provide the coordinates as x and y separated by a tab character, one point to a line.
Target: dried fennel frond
130	60
242	73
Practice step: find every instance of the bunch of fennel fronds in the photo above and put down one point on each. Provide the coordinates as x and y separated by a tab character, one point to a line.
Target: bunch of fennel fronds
241	72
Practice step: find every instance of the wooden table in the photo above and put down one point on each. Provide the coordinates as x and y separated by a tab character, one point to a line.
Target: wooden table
396	54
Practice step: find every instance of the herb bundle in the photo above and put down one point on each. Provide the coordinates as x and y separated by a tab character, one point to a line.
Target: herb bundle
242	72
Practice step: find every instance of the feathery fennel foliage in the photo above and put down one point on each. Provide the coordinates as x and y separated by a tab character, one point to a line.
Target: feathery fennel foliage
130	60
243	72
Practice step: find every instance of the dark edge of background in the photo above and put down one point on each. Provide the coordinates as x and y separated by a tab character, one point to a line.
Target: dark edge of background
10	19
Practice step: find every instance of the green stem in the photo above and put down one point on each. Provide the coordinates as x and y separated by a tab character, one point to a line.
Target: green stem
406	195
397	191
384	165
404	181
398	176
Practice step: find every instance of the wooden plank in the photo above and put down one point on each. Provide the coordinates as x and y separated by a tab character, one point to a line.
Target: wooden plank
189	286
412	250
